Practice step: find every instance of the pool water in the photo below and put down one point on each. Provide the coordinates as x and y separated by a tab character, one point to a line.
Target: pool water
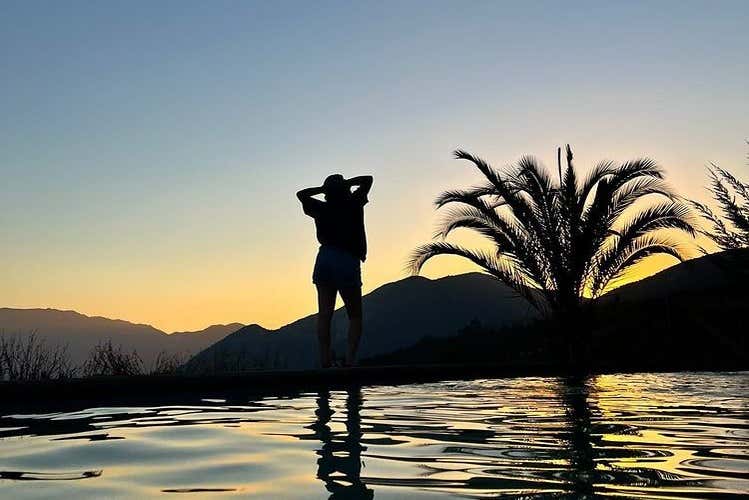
640	435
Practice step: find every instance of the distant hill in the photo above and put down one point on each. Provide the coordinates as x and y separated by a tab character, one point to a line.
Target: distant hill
396	315
200	339
716	270
81	333
689	316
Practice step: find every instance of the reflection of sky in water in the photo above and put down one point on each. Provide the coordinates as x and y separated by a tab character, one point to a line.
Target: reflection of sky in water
669	435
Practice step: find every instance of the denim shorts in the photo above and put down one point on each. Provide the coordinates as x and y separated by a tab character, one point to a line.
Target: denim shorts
336	268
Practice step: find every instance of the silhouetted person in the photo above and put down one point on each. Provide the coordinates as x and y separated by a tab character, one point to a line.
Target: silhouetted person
343	246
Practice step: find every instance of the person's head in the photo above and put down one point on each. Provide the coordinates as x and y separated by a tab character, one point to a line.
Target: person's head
335	188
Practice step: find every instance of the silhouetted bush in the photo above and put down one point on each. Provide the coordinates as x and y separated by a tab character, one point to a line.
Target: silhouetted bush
28	357
167	363
730	229
105	360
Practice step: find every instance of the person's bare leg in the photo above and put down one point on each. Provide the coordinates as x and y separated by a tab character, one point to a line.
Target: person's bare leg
352	298
325	305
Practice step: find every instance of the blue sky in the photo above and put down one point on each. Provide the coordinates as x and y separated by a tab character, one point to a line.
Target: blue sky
149	151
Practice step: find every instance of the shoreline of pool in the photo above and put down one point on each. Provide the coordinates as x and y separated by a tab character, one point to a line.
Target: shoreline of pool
280	382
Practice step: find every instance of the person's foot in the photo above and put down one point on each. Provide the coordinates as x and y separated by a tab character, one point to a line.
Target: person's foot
329	360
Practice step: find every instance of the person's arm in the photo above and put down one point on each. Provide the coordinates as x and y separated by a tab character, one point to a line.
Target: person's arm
307	193
311	206
364	183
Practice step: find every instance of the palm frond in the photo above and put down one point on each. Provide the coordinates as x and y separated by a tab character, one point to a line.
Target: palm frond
491	174
530	177
524	210
634	190
473	199
569	183
601	171
640	167
464	195
510	272
482	222
532	180
613	263
616	191
666	215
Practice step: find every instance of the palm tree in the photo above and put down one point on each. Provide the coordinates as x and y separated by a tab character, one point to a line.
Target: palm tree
561	243
725	189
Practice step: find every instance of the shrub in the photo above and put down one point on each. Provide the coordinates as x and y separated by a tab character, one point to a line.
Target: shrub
167	363
29	357
107	360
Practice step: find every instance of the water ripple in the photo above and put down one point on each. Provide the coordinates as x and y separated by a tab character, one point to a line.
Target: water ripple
641	435
48	476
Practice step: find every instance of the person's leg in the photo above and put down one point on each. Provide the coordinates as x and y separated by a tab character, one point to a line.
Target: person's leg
352	298
325	306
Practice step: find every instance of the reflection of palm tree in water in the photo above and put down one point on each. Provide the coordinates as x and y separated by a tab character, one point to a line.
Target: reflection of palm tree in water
575	391
339	465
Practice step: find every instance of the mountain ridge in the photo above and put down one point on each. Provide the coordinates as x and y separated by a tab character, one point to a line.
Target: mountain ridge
463	297
80	333
132	323
397	314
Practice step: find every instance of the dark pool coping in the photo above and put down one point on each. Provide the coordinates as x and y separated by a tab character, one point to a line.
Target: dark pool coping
277	382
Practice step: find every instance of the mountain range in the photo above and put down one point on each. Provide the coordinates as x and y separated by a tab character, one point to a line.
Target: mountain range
398	315
687	317
80	333
717	270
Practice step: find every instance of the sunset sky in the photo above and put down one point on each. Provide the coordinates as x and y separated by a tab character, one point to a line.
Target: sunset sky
150	151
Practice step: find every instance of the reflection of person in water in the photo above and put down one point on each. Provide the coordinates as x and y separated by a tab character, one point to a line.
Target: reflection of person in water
343	246
339	465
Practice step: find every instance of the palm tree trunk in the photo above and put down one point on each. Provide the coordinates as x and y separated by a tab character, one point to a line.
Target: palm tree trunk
575	333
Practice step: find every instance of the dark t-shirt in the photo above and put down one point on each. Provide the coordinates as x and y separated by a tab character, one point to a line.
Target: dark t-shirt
340	224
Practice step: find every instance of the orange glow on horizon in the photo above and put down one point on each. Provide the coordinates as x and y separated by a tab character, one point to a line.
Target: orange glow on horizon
261	274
